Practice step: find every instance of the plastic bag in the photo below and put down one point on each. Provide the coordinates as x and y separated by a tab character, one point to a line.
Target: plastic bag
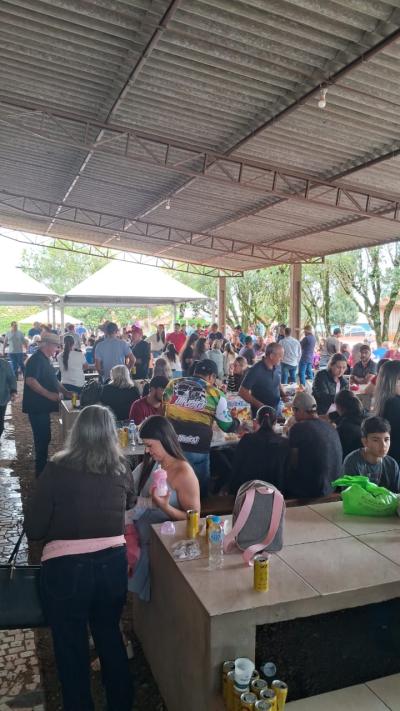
364	498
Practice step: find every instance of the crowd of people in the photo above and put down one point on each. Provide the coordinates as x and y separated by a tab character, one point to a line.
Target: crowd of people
309	427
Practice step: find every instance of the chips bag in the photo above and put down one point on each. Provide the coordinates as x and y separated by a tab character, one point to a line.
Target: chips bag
363	498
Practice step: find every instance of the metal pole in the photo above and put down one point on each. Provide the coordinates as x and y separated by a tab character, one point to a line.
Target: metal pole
62	315
222	304
173	316
295	299
54	314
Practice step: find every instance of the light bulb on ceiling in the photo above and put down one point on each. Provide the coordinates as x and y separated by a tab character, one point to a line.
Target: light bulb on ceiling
322	98
168	204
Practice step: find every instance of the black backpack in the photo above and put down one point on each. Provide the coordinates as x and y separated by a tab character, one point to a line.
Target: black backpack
91	393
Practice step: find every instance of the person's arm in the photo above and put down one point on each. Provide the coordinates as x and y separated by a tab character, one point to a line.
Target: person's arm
41	510
40	390
5	344
188	491
246	395
131	360
99	365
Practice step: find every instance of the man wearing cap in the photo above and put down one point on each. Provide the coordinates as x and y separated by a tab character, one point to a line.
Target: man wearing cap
192	404
42	394
315	451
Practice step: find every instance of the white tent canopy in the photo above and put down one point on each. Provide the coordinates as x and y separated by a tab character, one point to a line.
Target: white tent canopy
128	284
18	288
46	316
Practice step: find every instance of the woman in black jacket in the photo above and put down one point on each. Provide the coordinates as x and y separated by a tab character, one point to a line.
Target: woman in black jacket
329	382
78	511
262	454
348	424
120	392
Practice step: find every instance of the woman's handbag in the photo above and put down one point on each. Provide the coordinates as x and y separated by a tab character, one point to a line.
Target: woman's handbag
20	604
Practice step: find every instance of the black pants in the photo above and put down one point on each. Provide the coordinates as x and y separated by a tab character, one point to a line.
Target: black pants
2	415
41	430
81	590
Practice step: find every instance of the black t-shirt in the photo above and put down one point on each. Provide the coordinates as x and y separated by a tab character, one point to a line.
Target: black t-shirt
119	400
260	455
349	431
319	459
39	367
264	384
142	351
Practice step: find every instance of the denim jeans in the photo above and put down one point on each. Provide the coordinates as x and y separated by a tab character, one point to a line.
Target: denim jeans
288	371
73	388
41	430
200	461
17	361
305	371
81	590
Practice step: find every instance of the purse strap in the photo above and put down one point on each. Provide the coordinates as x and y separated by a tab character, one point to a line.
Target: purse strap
13	557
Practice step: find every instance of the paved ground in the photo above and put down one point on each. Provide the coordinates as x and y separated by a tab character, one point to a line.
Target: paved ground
20	686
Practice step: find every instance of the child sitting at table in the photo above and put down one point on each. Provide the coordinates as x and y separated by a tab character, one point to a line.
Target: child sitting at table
372	459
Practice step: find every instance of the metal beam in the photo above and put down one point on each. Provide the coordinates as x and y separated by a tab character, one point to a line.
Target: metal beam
94	250
121	227
133	74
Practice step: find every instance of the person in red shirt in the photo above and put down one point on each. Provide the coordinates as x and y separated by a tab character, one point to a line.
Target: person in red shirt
151	403
177	337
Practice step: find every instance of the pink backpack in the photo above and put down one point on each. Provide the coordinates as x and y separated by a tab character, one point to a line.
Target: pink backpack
257	520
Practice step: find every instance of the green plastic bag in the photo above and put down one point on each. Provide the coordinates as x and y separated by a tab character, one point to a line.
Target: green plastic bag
363	498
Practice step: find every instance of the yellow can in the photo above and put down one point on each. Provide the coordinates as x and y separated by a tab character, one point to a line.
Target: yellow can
255	675
226	668
281	691
263	705
193	519
74	400
248	700
237	698
257	685
230	683
270	696
261	573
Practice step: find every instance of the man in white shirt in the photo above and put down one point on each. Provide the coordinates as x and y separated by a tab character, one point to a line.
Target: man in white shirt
15	340
291	357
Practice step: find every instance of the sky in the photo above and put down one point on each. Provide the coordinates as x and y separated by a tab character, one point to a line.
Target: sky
11	251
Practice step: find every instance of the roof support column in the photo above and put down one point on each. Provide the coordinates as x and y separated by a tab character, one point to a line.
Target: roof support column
222	304
62	315
295	299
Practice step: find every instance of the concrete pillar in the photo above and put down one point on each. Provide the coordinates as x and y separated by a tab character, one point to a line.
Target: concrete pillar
222	304
295	300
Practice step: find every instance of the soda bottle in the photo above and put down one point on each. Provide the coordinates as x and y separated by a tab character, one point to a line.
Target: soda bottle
215	543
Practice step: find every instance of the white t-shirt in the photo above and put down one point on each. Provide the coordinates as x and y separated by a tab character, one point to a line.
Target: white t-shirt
74	375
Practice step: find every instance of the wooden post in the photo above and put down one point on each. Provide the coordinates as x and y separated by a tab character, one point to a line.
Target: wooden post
295	299
222	304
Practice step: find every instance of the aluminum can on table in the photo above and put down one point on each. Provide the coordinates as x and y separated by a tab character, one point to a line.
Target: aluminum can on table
227	667
230	682
281	691
237	696
74	400
261	573
269	695
263	705
193	518
257	685
248	700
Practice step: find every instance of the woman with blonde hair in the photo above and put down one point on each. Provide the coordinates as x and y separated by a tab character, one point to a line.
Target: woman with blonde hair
387	402
78	512
120	392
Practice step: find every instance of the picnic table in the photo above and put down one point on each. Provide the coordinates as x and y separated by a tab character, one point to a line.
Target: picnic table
197	619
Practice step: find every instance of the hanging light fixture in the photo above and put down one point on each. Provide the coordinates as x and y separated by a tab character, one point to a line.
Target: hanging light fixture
168	204
322	98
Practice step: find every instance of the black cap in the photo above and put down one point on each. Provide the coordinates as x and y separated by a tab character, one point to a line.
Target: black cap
206	367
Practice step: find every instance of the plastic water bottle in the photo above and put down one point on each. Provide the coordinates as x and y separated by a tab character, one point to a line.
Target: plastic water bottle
160	481
215	543
132	432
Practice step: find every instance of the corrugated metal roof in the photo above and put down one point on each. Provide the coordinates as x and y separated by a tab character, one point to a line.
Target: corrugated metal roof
231	76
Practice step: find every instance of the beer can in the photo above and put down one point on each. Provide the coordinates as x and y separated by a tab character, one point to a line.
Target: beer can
263	705
193	519
255	675
257	685
270	696
281	691
237	698
74	400
248	699
261	573
226	668
230	683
